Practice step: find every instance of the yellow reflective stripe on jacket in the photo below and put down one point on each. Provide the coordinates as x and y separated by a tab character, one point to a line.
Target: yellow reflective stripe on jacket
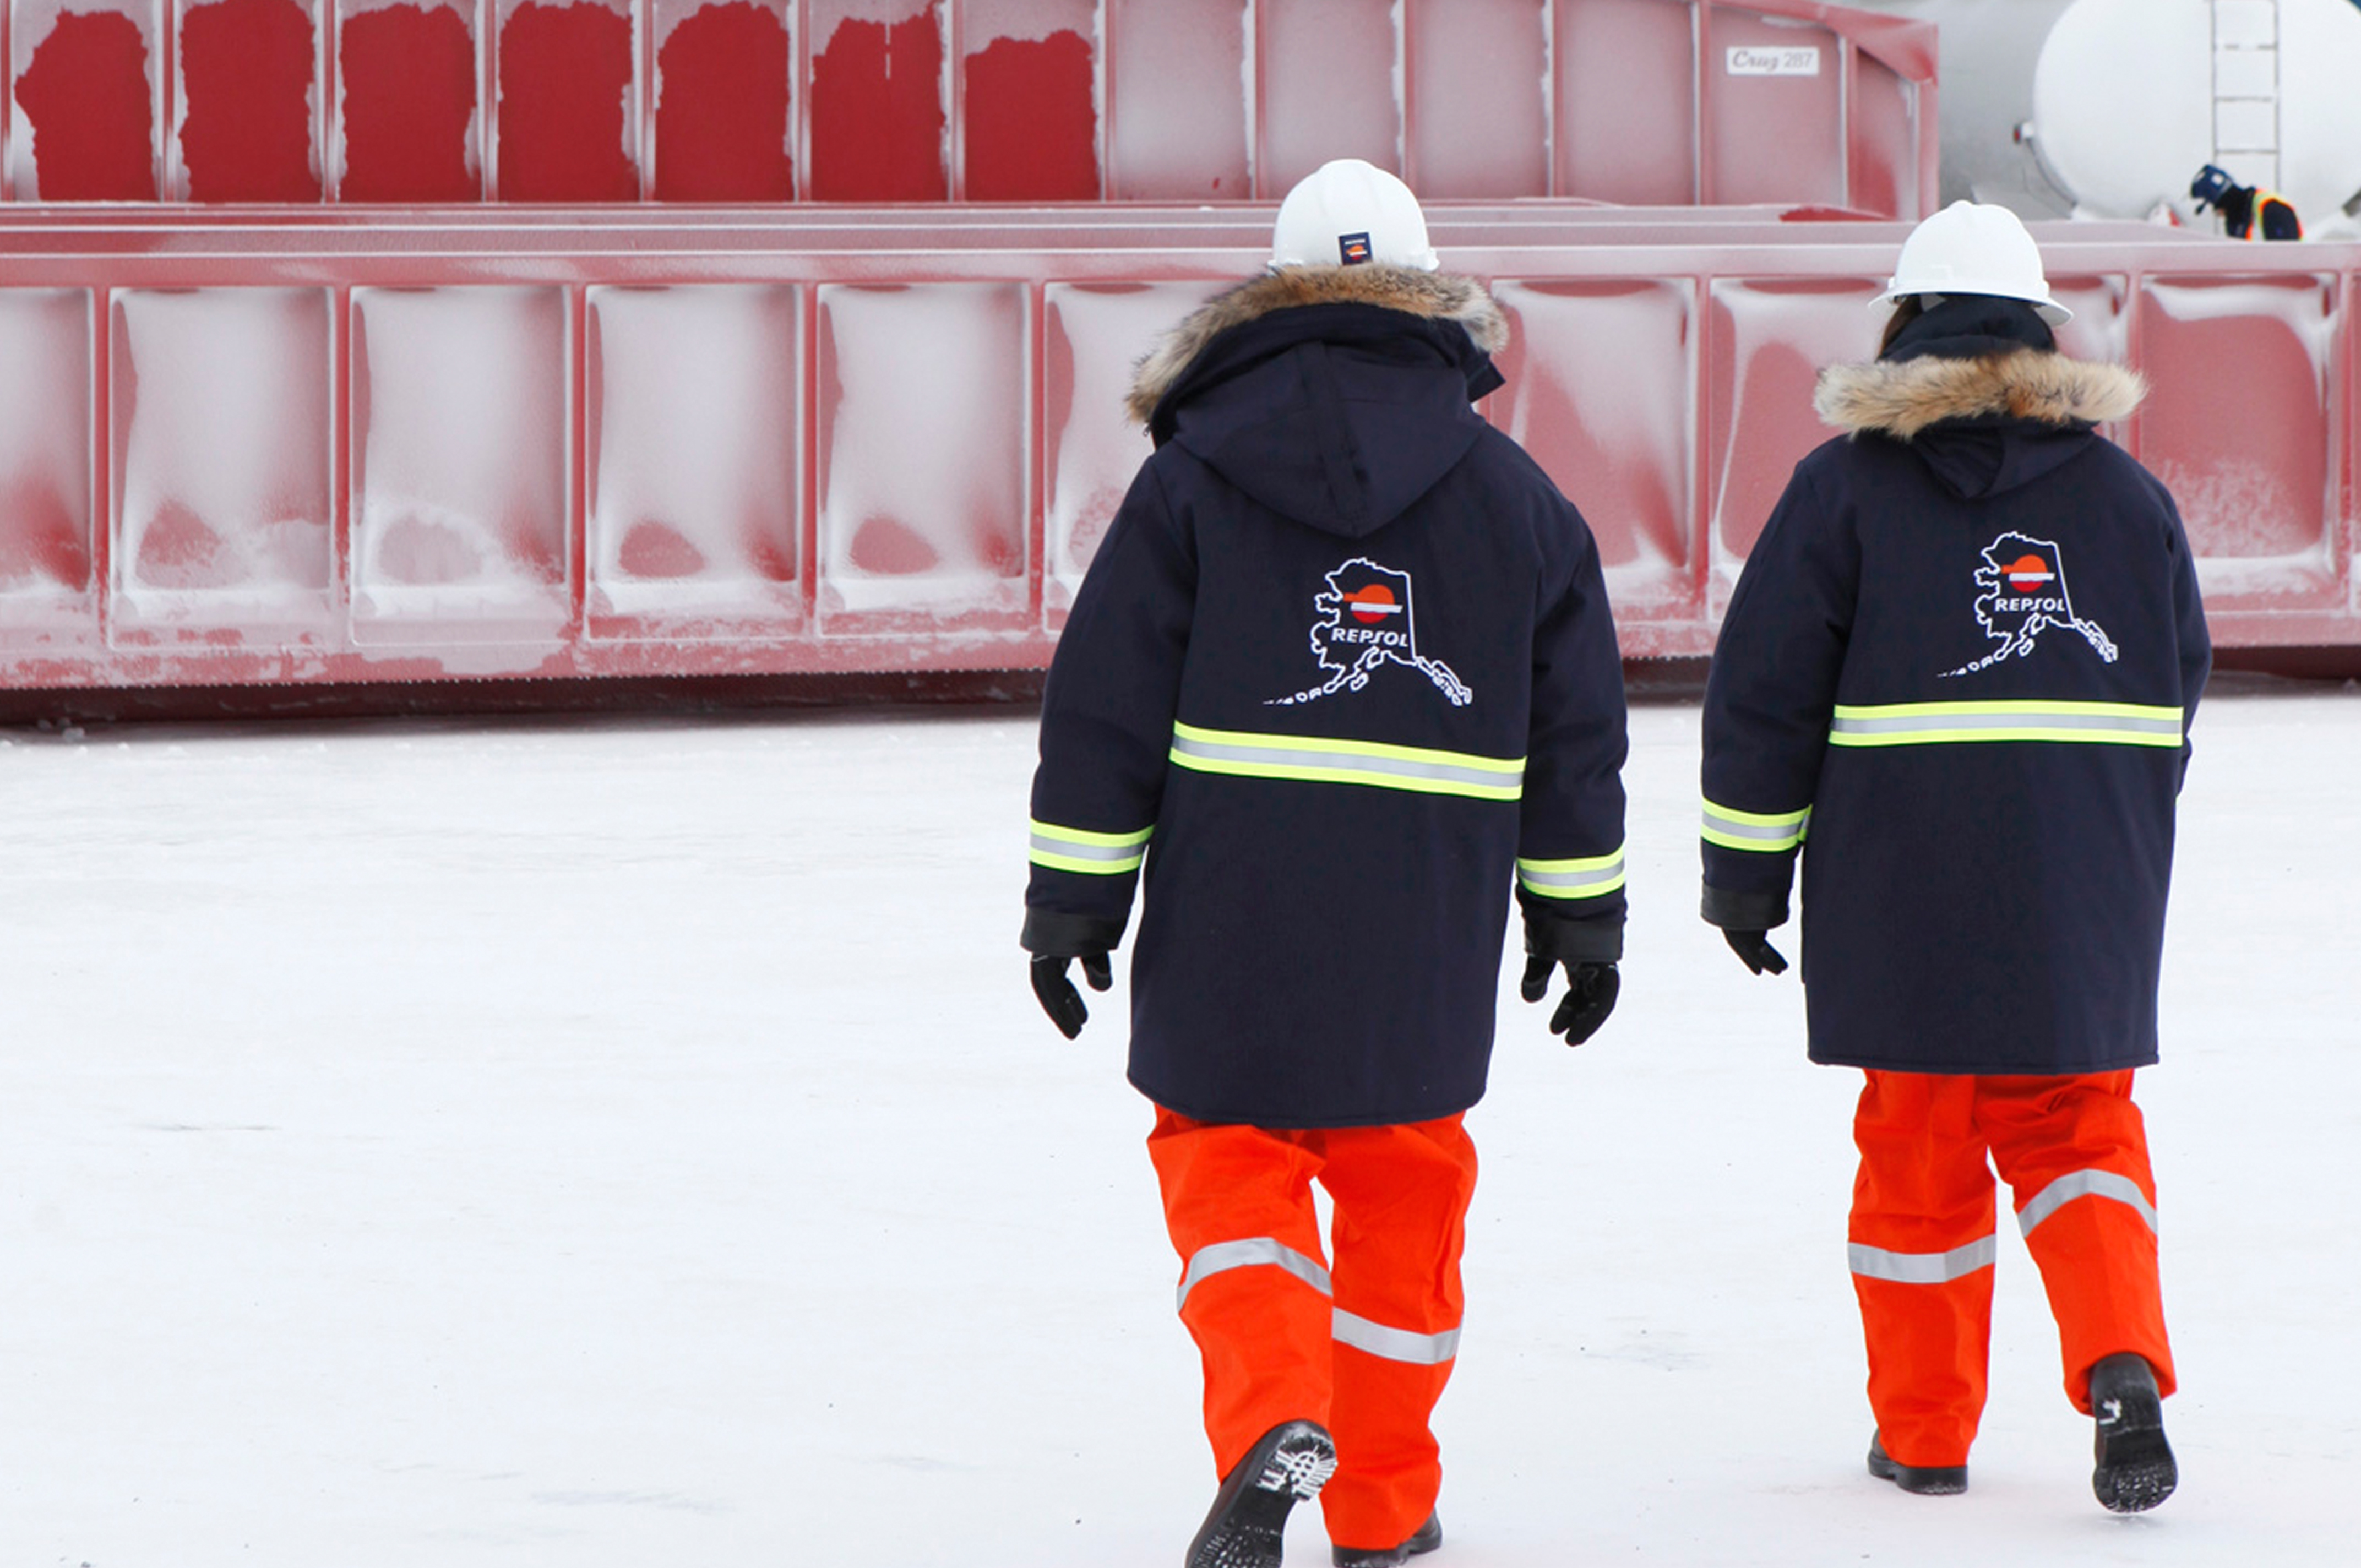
1591	878
1321	760
1769	833
1092	854
1942	723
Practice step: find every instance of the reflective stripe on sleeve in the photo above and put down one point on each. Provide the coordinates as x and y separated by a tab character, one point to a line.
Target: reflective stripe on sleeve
1092	854
1395	1345
1591	878
1321	760
1767	832
2084	1184
1223	1256
1922	1268
1945	723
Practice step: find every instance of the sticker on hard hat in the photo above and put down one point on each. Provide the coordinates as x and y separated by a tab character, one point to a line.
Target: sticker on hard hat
1791	62
1353	248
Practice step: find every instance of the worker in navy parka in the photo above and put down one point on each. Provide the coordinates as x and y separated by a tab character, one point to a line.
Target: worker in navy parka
1956	678
1341	676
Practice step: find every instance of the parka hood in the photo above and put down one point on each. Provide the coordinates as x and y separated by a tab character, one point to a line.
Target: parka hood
1981	399
1334	395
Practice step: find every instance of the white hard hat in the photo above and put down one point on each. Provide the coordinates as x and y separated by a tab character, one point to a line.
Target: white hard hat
1348	211
1973	248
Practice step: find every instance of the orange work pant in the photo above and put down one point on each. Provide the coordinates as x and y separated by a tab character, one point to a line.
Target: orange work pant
1364	1350
1924	1239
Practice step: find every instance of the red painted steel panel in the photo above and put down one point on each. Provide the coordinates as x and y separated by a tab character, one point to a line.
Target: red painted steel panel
1095	333
1029	109
1769	338
2239	424
407	78
221	421
461	524
1478	84
922	464
47	575
1615	144
569	121
722	126
1327	79
1601	375
250	74
86	100
1773	110
695	487
960	391
1177	117
877	101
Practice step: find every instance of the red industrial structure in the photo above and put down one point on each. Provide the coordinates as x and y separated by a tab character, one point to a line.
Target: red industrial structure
359	343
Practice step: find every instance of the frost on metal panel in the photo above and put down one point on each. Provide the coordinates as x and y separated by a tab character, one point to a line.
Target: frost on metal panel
45	459
1771	337
85	99
221	412
1329	87
459	444
694	417
922	436
1601	388
1029	100
1478	87
409	127
2257	493
1176	82
1096	333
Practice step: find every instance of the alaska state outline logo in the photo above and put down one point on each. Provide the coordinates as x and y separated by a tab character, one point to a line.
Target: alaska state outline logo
1364	623
2024	594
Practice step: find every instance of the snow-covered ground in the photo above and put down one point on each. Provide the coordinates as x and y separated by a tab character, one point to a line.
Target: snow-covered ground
626	1142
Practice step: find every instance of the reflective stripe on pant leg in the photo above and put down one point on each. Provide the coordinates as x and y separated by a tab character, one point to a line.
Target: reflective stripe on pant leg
1401	1198
2085	1184
1252	1294
1921	1246
1223	1256
2061	1140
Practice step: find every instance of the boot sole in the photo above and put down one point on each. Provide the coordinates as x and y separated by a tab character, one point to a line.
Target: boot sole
1923	1480
1248	1525
2136	1469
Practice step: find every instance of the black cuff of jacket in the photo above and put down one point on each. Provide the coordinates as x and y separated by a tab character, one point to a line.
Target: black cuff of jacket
1735	910
1053	934
1597	940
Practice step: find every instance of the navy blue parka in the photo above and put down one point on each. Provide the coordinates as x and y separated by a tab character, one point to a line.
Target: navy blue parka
1341	674
1957	677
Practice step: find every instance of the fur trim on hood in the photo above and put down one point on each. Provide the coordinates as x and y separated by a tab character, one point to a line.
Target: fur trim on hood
1901	398
1443	296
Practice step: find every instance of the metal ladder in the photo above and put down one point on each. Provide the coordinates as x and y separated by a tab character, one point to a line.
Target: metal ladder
2247	90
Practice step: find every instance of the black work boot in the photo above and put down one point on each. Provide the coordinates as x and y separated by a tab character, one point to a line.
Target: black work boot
2135	1470
1423	1540
1247	1525
1932	1480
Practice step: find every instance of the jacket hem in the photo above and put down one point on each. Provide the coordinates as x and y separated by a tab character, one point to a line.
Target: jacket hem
1292	1123
1981	1069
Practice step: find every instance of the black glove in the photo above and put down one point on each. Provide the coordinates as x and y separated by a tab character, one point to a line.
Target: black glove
1589	995
1058	998
1754	949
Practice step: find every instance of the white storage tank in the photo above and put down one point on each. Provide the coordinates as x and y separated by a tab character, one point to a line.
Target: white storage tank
2132	97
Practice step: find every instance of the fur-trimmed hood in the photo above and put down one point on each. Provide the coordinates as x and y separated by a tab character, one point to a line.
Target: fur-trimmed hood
1335	395
1902	398
1438	296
